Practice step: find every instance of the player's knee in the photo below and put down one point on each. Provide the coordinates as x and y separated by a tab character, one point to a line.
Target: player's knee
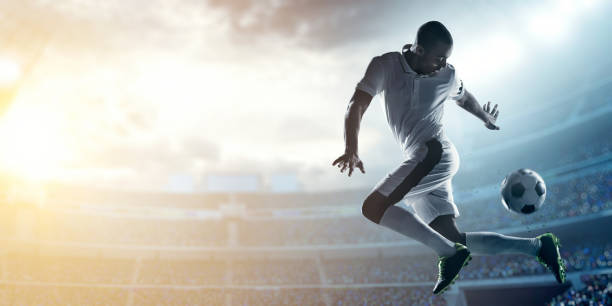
372	211
374	207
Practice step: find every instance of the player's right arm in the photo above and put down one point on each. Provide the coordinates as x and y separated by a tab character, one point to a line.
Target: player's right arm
370	85
352	120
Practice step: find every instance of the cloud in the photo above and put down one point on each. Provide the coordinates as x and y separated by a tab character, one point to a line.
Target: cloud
318	23
300	129
151	89
154	156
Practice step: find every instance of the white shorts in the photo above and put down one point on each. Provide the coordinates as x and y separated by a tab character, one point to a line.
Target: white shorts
424	181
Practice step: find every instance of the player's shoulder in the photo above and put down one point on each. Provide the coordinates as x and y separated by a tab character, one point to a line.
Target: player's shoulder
390	56
449	70
388	59
386	56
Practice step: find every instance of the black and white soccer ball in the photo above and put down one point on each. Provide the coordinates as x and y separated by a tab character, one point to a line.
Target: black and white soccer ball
523	191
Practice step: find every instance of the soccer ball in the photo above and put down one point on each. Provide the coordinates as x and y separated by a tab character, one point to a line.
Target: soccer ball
523	191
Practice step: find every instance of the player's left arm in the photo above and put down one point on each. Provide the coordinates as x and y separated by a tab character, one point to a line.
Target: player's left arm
484	113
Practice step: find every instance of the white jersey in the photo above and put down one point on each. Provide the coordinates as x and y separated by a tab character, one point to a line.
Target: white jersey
414	104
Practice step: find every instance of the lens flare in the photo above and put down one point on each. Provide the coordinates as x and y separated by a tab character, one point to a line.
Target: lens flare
10	72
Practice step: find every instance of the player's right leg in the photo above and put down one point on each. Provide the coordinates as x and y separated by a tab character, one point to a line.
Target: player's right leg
446	226
381	210
452	257
379	207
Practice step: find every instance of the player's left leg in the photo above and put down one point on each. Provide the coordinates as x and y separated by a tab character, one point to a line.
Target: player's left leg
485	243
544	247
490	243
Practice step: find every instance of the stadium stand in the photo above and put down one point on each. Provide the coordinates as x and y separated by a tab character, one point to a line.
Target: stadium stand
306	248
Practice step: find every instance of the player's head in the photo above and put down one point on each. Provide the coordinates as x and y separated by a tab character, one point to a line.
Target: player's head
432	46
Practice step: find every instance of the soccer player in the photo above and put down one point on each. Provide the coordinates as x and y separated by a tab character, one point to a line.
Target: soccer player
415	84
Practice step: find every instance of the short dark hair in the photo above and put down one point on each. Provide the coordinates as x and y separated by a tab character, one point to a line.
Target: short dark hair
431	33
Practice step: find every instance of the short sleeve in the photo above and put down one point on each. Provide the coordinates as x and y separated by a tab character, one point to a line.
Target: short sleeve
457	90
374	78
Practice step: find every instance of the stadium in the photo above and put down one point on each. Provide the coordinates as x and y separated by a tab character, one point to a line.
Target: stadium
260	248
249	237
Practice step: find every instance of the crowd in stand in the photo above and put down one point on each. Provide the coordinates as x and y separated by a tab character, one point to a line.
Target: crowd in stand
597	291
101	280
284	271
102	270
484	170
164	296
579	196
576	197
588	256
385	296
584	195
380	270
61	295
423	269
182	272
325	231
72	295
59	280
278	297
275	272
56	226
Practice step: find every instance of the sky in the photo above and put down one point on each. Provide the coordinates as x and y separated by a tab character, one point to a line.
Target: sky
159	94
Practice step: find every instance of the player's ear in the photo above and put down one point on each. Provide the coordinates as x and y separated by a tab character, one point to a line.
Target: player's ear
418	50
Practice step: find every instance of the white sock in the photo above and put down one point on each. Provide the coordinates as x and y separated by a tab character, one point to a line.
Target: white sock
405	223
488	243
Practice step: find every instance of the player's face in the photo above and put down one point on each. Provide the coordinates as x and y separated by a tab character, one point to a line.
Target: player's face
435	59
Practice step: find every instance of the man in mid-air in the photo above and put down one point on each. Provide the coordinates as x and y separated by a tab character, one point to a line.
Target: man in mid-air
415	84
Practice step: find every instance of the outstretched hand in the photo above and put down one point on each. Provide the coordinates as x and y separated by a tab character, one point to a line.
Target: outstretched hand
350	161
491	115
